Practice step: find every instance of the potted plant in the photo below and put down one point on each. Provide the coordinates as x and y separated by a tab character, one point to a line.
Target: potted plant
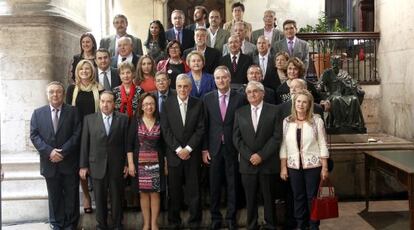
324	48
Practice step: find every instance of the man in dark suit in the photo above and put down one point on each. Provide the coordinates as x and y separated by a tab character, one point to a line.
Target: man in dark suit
200	18
218	149
178	32
211	55
105	74
120	23
257	137
294	46
237	62
103	156
182	124
162	82
55	132
126	53
265	59
254	73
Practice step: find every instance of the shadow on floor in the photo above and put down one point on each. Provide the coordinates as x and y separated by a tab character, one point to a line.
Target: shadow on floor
386	220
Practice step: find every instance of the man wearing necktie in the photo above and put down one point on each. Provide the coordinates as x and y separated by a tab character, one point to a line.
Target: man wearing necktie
125	53
162	82
55	133
182	125
103	156
291	44
106	75
257	137
178	32
218	149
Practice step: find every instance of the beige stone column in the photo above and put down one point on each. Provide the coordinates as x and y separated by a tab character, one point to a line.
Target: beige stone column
37	42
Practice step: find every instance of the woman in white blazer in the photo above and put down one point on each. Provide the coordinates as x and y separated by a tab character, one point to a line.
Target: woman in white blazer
303	156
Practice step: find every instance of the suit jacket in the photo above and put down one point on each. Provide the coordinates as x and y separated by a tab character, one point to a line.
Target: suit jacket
115	79
277	35
270	78
265	142
109	43
176	134
114	60
215	126
171	93
187	38
249	49
300	50
222	37
97	149
66	138
240	76
211	55
194	26
228	26
207	84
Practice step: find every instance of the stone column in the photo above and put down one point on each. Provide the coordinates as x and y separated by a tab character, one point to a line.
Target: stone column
38	41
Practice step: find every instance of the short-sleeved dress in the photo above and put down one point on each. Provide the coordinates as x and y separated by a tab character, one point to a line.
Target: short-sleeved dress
149	157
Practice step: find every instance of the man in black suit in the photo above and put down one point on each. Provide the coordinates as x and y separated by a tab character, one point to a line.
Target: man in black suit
237	62
254	73
211	55
218	149
200	18
178	32
182	123
257	137
265	59
55	132
125	53
105	74
162	82
103	156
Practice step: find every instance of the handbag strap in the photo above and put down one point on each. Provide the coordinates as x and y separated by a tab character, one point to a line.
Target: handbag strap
329	185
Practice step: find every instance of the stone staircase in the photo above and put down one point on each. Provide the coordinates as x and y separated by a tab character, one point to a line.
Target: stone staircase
23	190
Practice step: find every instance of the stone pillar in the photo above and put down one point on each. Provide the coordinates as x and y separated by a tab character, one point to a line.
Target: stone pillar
38	41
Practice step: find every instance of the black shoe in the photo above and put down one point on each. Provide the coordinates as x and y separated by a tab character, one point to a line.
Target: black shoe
231	225
215	225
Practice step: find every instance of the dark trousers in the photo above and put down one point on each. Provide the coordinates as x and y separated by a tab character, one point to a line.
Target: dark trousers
184	176
115	185
223	171
253	184
63	193
305	184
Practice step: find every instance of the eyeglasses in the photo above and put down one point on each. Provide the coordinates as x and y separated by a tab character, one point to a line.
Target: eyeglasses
148	104
175	47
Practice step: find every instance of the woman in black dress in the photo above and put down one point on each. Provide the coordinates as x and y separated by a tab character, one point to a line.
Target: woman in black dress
88	47
84	94
145	148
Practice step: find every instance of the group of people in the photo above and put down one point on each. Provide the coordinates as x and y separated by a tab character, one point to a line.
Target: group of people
201	94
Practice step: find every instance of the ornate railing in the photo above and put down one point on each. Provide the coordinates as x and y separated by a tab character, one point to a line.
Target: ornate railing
358	50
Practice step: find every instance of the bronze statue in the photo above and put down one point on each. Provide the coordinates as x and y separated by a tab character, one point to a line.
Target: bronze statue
345	96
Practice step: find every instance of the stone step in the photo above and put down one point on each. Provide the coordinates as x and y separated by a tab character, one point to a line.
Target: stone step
23	211
24	189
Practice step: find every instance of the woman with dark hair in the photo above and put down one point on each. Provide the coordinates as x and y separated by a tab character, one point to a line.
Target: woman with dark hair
156	41
145	74
304	156
88	47
145	158
173	65
84	95
127	94
280	61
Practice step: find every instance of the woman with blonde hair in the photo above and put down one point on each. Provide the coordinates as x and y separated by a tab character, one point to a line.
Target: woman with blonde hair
304	156
84	95
202	82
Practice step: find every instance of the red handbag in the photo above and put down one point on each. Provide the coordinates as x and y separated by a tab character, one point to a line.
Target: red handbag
325	205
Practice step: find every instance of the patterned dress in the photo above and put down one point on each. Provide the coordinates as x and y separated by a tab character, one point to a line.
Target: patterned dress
148	158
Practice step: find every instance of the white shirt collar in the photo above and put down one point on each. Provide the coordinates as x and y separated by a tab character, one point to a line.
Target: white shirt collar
180	101
52	108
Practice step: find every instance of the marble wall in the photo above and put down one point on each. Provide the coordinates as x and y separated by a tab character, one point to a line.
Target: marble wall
395	63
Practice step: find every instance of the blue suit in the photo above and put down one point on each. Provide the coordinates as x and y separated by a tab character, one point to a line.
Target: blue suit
207	84
61	177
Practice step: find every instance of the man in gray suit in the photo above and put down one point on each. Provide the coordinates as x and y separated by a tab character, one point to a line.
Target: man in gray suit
294	46
103	156
111	42
217	37
274	35
247	48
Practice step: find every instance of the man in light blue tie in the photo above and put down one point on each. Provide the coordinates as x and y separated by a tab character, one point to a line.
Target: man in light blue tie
103	156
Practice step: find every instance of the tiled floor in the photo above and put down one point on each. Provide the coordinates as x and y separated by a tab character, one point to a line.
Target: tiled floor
385	215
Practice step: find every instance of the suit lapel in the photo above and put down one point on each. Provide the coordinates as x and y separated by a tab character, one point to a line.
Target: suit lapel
230	105
112	42
100	123
262	114
61	117
216	105
176	106
48	116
